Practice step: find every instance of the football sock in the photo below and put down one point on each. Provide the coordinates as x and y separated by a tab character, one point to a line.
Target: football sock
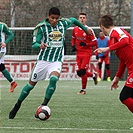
100	73
108	73
24	93
129	103
50	89
7	75
84	81
45	102
89	74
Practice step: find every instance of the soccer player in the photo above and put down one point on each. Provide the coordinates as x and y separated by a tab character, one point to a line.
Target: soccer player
103	41
4	30
122	43
82	44
49	37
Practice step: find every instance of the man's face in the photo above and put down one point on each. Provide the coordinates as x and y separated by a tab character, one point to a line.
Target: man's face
53	19
82	19
101	34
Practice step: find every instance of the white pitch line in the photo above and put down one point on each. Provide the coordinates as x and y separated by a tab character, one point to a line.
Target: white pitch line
77	129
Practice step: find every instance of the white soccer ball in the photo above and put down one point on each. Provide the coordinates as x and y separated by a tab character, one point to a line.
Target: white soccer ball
43	112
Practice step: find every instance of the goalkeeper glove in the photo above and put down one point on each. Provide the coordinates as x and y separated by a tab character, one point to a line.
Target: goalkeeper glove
82	44
73	49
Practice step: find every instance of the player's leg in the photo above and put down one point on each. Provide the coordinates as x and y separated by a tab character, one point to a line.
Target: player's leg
54	70
36	75
7	75
108	72
107	67
126	95
51	87
85	64
100	61
24	93
81	72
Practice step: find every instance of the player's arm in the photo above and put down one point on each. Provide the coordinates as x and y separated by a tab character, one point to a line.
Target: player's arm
37	37
122	43
76	22
102	50
9	34
114	84
93	39
92	43
121	69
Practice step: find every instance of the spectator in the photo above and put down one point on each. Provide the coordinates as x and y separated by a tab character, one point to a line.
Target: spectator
103	41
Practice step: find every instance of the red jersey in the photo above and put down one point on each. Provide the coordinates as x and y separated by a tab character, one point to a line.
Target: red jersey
122	42
79	36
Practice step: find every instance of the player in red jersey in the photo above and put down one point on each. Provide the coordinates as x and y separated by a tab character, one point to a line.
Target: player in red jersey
82	44
122	43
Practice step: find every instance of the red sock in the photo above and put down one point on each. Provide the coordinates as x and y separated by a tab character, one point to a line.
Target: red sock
84	81
99	73
129	103
108	73
89	74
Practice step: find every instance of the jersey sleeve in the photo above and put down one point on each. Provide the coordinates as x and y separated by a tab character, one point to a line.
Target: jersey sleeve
8	32
37	37
120	38
71	21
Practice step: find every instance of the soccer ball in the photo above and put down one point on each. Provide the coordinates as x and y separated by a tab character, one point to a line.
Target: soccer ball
43	112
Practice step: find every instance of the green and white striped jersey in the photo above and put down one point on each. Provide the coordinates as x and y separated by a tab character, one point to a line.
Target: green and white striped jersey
4	30
53	37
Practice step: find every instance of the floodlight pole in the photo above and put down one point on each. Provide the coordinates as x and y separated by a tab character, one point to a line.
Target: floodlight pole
131	32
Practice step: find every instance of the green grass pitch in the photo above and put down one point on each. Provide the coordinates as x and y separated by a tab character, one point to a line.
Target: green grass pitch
99	111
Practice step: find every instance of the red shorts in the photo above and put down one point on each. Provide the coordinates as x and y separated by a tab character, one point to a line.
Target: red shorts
105	59
129	81
83	62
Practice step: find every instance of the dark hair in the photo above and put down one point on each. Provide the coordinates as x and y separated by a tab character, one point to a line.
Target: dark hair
54	10
82	13
106	21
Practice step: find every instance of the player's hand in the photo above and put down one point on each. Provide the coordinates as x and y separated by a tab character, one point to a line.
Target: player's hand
73	49
101	50
82	44
43	46
114	84
2	45
89	32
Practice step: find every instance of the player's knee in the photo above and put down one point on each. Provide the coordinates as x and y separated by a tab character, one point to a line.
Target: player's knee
2	67
81	72
100	65
125	93
53	79
107	66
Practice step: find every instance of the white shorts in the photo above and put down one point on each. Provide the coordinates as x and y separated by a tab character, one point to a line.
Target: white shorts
42	69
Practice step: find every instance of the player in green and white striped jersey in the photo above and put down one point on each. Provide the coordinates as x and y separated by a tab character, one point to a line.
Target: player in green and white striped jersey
4	30
49	36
